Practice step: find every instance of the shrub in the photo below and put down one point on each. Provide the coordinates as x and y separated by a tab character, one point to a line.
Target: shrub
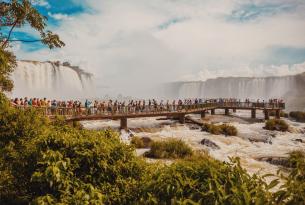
229	130
143	142
293	189
282	113
169	149
203	180
276	124
224	129
298	116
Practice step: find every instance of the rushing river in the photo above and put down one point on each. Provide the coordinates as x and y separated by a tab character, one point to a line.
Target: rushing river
251	144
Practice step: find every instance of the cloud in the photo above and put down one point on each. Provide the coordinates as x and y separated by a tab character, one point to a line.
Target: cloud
59	16
42	3
133	45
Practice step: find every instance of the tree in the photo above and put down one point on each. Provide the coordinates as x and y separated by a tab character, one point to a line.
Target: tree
16	14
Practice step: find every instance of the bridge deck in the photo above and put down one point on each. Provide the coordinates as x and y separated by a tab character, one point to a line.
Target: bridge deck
80	114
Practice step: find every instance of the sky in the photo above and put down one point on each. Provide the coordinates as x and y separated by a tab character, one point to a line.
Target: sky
133	45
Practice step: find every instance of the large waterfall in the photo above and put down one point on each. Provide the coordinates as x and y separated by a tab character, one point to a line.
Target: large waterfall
289	88
51	80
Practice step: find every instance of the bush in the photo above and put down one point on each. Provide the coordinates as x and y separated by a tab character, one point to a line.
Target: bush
293	189
282	114
298	116
143	142
203	180
53	163
224	129
169	149
229	130
276	124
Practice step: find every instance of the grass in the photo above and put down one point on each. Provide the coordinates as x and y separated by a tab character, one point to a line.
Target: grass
225	129
298	116
143	142
169	149
276	124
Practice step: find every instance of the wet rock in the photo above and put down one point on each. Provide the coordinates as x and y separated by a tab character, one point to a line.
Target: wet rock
280	161
194	127
267	140
209	143
299	140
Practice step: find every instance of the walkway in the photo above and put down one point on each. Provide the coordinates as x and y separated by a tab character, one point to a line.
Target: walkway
173	111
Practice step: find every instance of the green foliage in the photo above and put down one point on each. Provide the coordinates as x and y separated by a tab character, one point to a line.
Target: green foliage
7	64
203	180
225	129
298	116
276	124
143	142
16	14
292	192
169	149
43	162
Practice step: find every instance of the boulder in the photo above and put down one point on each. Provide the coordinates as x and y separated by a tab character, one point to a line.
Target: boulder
280	161
209	143
299	140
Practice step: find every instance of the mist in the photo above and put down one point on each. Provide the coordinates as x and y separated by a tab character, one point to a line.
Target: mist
133	46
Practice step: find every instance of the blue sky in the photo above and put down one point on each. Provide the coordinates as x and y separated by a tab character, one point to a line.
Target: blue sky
170	40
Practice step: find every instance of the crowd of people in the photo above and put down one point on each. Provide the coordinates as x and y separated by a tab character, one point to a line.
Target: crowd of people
115	106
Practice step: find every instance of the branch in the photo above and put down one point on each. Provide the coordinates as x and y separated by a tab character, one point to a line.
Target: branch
25	41
9	34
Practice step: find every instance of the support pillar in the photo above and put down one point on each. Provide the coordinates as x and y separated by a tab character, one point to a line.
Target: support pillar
227	111
278	114
267	114
123	123
213	112
203	115
253	113
182	119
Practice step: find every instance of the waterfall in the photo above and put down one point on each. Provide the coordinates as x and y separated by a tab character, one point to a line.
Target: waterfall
289	88
51	80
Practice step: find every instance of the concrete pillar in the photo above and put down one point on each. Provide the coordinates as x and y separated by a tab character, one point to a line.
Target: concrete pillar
253	113
227	111
234	110
203	115
213	112
278	114
182	119
267	114
123	125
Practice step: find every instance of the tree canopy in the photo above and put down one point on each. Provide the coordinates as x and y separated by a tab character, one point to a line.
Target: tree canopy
16	14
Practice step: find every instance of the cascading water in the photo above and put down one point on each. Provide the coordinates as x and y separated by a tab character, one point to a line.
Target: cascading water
51	80
289	88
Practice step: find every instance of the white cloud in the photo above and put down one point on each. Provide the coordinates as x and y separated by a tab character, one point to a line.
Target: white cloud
42	3
120	42
59	16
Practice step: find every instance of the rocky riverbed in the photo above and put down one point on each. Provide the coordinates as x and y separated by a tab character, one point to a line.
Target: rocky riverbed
261	151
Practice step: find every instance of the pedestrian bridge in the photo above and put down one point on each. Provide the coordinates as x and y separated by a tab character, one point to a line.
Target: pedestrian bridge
172	111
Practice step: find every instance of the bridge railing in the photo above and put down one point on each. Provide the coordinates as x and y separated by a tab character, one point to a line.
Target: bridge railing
129	110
